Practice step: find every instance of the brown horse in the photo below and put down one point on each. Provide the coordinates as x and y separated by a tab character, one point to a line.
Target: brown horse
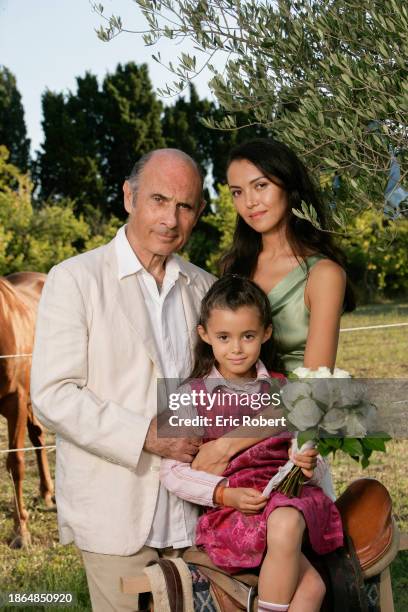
19	295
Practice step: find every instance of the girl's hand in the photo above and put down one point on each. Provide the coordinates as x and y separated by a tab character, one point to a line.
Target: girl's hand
306	460
248	501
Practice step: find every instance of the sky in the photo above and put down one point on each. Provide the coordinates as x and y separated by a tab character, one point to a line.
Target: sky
47	43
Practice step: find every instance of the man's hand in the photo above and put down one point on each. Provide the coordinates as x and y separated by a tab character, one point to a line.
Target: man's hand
213	457
248	501
306	460
181	449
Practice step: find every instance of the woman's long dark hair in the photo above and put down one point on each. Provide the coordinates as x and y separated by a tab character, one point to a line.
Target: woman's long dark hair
280	165
230	293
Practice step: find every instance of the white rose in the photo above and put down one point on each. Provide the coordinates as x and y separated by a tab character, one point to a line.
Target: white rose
337	373
322	372
305	414
302	372
368	415
334	420
292	392
322	392
354	426
351	393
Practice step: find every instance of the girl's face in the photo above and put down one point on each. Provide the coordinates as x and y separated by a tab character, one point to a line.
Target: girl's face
236	337
261	203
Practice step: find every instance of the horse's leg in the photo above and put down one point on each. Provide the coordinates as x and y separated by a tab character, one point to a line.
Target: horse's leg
16	411
37	437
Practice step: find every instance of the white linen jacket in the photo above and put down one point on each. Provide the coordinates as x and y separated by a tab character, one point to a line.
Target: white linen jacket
93	382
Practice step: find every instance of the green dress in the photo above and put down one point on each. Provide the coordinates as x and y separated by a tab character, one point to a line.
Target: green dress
290	317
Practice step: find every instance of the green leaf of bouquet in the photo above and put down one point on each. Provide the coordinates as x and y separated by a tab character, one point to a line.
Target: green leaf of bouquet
329	445
381	434
305	436
292	376
352	446
365	462
334	442
377	444
324	449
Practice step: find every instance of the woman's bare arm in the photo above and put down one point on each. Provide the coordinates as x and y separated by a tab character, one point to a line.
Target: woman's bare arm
324	297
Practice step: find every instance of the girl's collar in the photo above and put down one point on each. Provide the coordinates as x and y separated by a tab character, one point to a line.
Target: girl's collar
215	379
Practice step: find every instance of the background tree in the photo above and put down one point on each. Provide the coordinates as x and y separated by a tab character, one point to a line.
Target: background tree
131	124
182	127
224	221
13	133
32	239
93	137
71	159
329	77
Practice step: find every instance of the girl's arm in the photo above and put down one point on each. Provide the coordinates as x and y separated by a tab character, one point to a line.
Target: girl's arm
324	297
192	485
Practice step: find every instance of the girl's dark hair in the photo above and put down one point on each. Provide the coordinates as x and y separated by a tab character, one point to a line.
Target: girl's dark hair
281	166
230	293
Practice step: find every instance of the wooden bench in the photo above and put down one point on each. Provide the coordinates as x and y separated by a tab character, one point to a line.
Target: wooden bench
140	584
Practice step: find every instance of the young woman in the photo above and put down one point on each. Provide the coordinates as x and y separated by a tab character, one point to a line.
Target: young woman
242	529
297	265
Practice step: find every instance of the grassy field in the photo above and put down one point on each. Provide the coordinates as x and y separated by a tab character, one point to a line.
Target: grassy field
47	566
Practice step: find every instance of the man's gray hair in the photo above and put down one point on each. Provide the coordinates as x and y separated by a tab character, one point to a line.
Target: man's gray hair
134	176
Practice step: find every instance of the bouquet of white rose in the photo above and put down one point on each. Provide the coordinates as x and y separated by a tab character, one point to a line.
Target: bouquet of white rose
329	416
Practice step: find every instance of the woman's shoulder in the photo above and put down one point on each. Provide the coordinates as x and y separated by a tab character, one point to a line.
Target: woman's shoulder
327	280
323	268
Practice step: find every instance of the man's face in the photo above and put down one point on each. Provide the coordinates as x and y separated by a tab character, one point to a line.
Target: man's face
165	208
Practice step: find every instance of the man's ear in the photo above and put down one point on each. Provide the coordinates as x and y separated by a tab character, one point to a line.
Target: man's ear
127	197
267	333
203	334
202	205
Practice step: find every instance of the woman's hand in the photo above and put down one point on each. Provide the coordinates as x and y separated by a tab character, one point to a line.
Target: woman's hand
213	457
306	460
248	501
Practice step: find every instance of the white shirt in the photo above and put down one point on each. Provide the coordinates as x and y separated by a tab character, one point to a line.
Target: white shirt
172	524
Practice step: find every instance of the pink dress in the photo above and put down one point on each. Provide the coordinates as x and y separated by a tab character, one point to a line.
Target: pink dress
235	541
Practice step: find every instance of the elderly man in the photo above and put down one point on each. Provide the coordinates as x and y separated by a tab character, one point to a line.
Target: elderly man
110	322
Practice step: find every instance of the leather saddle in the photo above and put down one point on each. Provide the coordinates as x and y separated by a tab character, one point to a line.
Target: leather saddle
366	512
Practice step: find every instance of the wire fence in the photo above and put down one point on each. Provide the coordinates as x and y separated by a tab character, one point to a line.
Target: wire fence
384	326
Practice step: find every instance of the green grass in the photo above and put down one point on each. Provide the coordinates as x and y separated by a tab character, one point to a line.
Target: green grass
48	566
375	353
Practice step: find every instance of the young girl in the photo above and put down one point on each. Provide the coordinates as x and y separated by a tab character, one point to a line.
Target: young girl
241	529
